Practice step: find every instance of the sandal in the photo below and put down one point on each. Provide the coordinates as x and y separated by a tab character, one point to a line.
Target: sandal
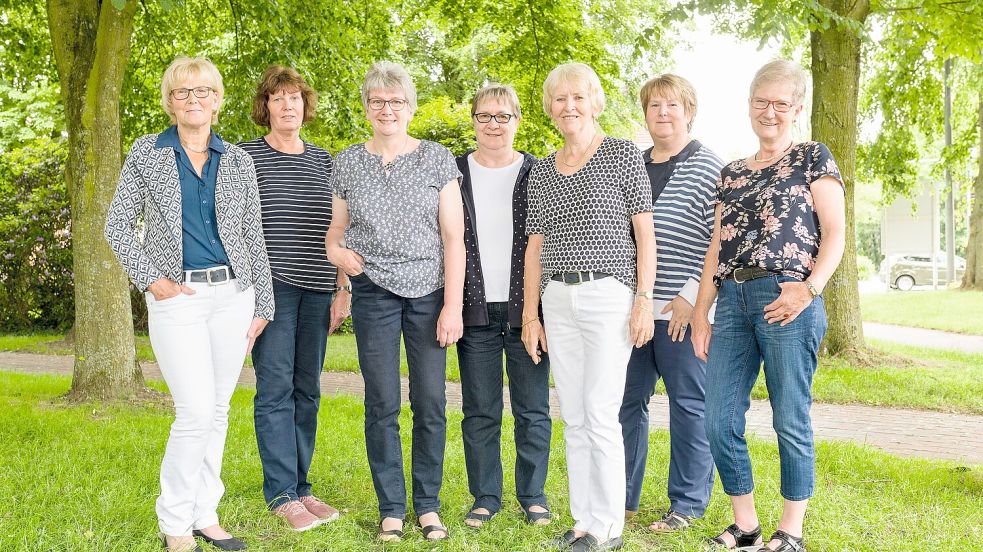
747	541
479	517
391	535
430	529
538	518
671	522
788	543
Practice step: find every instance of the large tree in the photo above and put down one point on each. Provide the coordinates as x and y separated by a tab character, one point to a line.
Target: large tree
91	43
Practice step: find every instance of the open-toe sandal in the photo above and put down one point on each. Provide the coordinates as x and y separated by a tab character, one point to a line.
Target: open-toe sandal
390	535
539	518
431	529
670	523
747	541
479	517
788	543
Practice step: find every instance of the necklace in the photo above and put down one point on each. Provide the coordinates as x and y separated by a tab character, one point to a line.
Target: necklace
773	156
191	149
390	166
582	157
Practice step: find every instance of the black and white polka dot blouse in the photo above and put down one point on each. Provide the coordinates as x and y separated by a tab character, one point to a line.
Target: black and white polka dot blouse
585	218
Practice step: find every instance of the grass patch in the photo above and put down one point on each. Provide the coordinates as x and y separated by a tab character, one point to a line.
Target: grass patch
948	310
85	478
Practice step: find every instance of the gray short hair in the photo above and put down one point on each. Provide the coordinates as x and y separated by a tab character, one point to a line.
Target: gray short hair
578	73
782	71
184	68
501	92
386	75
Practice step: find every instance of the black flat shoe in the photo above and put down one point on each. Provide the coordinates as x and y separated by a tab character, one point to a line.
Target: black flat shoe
563	542
589	543
747	541
788	543
230	543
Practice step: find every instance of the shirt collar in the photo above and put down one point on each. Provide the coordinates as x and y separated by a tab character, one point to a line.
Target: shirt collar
170	139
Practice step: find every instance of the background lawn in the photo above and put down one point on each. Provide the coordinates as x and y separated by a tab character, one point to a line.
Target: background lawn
906	376
949	310
84	478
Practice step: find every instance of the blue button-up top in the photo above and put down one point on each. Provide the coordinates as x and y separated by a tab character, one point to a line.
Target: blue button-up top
200	240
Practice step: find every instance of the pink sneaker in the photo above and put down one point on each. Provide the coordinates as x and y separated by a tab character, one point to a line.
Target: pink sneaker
324	512
297	516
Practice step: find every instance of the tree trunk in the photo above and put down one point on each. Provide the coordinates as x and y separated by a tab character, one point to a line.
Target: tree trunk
835	79
91	42
973	277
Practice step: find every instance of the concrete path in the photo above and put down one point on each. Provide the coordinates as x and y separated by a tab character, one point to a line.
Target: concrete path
898	431
924	338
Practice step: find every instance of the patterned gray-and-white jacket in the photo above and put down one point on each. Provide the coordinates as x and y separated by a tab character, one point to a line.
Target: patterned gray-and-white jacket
149	186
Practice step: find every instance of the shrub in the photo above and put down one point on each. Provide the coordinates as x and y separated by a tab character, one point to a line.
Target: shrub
865	268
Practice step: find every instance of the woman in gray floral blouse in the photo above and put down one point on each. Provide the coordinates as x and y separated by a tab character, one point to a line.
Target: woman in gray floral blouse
398	232
778	235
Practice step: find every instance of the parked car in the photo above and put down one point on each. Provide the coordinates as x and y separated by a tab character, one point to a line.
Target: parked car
907	271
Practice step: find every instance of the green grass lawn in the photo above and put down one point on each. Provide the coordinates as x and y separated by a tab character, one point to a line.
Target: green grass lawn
909	377
948	310
84	478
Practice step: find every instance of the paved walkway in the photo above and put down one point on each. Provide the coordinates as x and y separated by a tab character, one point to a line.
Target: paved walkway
924	338
898	431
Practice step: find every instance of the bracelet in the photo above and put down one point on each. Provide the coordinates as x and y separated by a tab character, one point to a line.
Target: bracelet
530	321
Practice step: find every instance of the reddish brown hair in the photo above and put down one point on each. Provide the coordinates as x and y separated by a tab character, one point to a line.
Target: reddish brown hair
278	78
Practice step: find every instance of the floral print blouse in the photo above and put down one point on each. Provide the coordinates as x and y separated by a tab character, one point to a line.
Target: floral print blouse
768	218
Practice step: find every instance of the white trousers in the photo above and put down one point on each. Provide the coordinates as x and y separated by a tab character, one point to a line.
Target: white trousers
200	344
589	347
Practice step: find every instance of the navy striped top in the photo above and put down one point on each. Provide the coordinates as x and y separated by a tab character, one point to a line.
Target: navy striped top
683	218
295	193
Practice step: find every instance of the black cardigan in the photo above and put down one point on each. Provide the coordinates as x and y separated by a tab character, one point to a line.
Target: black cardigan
475	305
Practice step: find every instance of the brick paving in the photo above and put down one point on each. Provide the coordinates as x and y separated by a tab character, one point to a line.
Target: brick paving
904	432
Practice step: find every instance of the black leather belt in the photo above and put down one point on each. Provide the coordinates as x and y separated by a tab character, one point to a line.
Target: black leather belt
577	278
741	275
215	276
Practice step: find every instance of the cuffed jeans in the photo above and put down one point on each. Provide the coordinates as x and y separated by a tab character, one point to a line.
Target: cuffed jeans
589	346
741	340
200	342
479	354
690	462
379	317
288	357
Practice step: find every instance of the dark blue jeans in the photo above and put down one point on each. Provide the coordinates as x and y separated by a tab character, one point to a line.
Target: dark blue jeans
690	462
479	354
742	339
379	317
288	356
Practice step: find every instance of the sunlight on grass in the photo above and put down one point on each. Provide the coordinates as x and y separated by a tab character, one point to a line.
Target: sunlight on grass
948	310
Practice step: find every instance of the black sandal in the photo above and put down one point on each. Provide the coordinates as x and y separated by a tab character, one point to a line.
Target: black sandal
481	518
674	521
539	518
392	535
430	529
747	541
788	543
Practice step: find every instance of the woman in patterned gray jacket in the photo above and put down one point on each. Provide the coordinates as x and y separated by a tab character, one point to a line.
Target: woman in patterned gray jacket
201	261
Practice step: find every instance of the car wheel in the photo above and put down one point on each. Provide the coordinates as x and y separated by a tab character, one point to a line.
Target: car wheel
905	283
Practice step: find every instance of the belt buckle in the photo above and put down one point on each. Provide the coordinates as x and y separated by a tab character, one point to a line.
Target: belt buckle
737	279
216	270
579	275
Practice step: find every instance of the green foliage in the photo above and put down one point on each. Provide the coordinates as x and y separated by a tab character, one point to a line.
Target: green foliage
29	114
443	121
36	265
865	267
868	243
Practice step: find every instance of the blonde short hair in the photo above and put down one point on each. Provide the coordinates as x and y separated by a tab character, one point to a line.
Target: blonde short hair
183	69
501	92
782	71
669	86
573	73
386	75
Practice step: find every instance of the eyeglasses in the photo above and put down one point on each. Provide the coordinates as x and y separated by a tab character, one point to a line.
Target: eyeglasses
779	105
500	118
397	104
199	91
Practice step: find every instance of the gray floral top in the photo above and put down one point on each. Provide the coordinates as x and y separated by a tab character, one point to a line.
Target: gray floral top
393	218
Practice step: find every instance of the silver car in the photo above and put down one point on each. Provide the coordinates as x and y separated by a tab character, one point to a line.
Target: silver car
908	271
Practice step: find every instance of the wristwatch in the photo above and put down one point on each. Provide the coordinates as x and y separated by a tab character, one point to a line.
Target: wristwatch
346	287
646	294
812	289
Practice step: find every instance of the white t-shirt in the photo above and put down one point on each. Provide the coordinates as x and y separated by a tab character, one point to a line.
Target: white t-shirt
492	189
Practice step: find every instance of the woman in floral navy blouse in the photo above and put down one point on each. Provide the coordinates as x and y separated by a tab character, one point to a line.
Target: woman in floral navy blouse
778	235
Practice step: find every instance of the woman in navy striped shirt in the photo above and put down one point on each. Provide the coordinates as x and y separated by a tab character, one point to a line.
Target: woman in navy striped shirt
294	189
683	174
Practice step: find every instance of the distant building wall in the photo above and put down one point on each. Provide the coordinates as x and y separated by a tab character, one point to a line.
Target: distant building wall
911	226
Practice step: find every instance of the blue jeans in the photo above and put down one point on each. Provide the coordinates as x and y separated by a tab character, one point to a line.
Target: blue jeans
379	317
742	339
288	356
690	462
479	353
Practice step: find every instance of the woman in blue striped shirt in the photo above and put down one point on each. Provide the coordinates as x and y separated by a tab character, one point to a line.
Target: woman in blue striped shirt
683	173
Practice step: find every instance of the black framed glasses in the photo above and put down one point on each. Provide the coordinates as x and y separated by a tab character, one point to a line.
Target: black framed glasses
500	118
396	104
200	92
780	106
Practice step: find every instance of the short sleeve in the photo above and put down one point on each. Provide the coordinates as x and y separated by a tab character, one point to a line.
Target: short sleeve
445	166
821	163
339	183
635	181
533	225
